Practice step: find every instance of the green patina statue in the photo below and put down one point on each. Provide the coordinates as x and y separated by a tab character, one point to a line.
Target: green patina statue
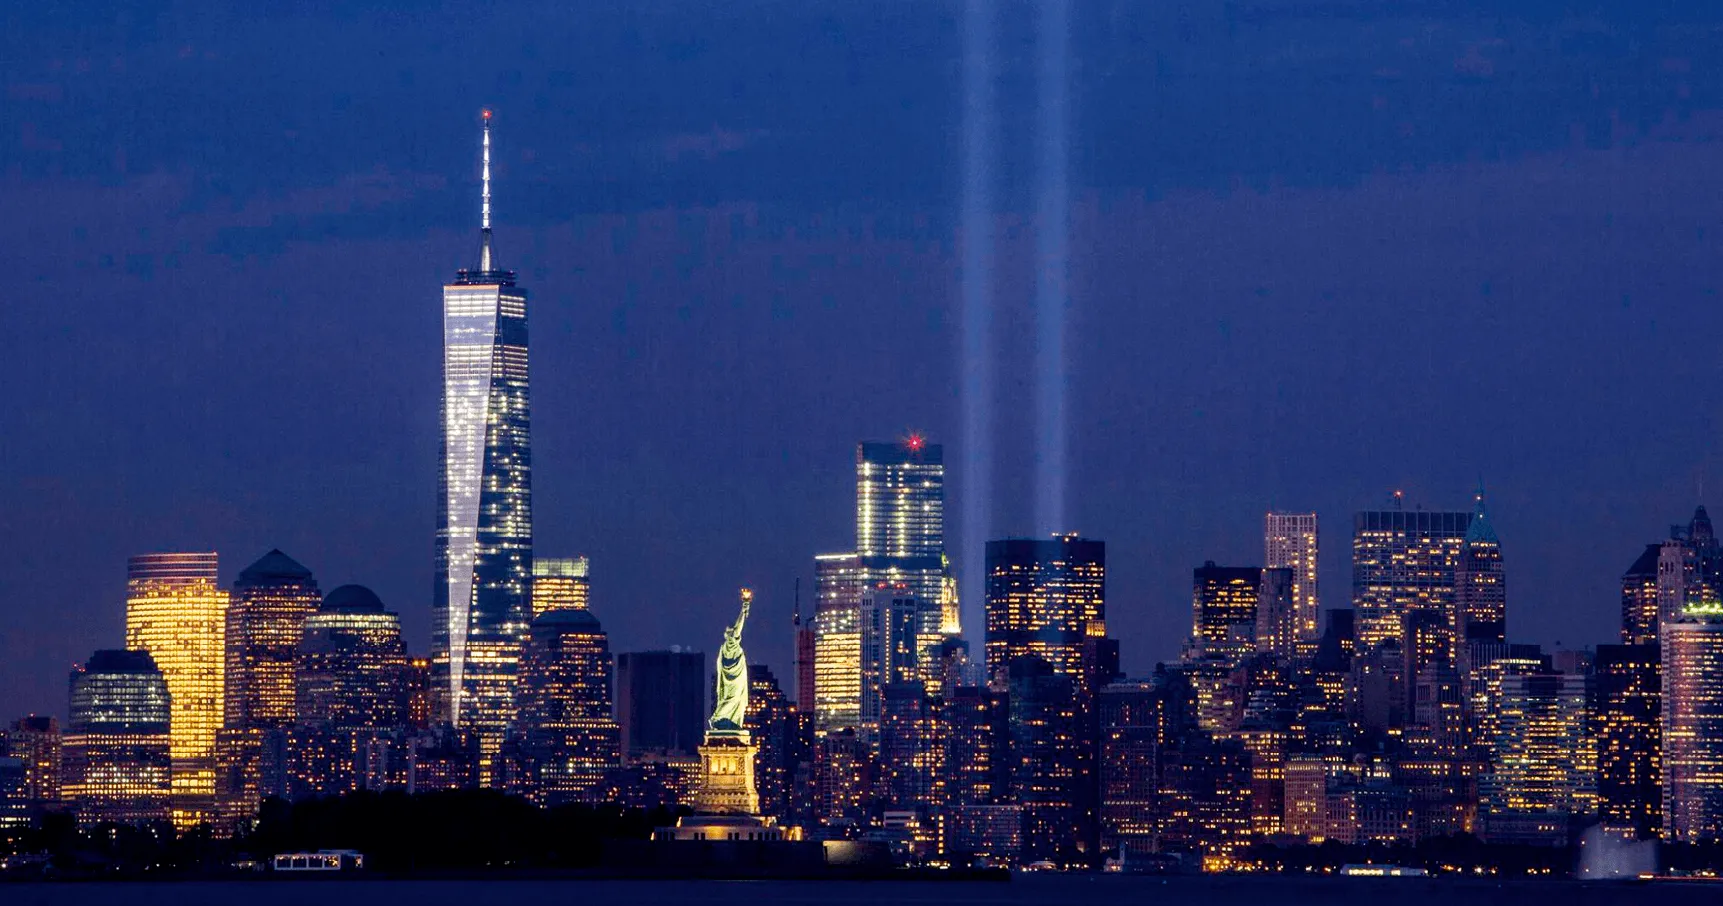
729	715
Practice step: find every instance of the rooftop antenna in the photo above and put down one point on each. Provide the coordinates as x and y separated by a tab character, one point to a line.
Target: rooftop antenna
485	197
796	615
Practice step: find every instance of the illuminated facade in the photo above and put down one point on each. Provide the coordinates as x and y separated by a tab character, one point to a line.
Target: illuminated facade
270	601
1223	611
1403	563
1289	542
1046	761
1628	717
770	720
35	741
1480	585
1692	649
900	525
1544	771
1044	598
117	752
567	722
1278	624
352	665
560	584
838	583
177	613
481	607
912	739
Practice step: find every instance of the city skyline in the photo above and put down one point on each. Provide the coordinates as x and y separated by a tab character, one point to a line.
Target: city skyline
293	450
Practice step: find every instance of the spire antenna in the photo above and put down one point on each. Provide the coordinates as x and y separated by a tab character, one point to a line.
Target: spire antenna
485	197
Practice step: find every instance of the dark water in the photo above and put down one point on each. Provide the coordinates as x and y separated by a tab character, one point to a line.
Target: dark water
1043	890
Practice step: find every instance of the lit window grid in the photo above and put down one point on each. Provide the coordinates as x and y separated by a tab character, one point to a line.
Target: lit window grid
1692	650
485	531
179	617
1290	542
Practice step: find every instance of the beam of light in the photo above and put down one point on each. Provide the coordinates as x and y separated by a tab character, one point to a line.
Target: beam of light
977	277
1052	225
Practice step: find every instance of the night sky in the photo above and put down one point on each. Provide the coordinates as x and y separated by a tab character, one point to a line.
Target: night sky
1320	250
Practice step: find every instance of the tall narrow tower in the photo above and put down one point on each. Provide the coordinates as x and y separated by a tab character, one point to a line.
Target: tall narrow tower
481	604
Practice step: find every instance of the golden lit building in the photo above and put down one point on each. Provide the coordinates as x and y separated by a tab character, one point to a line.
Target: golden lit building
837	642
177	613
271	599
35	740
1692	648
116	761
1223	612
1289	542
559	584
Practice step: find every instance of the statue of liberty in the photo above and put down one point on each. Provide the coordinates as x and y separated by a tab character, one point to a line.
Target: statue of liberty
729	715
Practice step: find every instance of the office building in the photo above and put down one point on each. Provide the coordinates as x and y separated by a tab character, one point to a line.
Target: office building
771	723
838	583
117	752
568	730
1278	624
1403	562
1543	774
661	701
900	520
265	618
912	755
1223	612
1289	542
1045	739
1628	720
351	664
35	741
1639	614
481	608
1044	598
177	613
560	584
1480	585
1692	649
890	643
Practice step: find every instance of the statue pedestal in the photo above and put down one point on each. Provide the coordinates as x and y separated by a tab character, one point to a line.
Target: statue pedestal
727	775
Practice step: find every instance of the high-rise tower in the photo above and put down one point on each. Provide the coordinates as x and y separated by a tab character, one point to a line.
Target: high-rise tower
177	613
1289	541
481	605
900	524
271	600
1480	585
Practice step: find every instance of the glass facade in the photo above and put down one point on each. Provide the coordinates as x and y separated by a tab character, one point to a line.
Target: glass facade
1289	542
117	751
481	605
838	583
900	527
177	613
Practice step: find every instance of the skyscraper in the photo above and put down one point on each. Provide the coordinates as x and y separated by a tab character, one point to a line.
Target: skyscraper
1223	611
1541	776
1403	589
559	584
1692	647
1044	597
1639	598
1279	626
889	620
480	608
900	523
567	723
1480	584
838	584
177	613
35	740
352	664
117	761
806	646
1628	716
271	599
1289	542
